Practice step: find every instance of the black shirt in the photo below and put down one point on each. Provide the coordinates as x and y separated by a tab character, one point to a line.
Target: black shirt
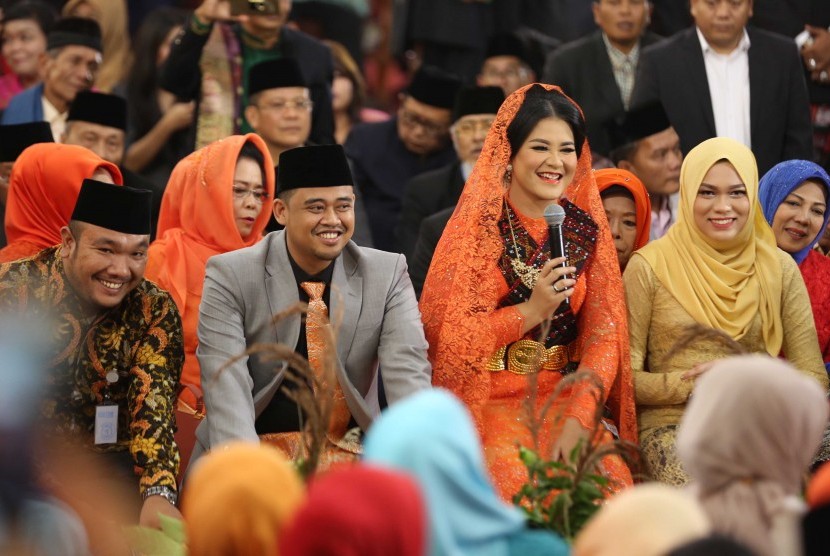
282	414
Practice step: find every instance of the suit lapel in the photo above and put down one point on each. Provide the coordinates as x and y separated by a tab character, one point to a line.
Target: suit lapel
345	301
610	91
281	289
757	90
696	78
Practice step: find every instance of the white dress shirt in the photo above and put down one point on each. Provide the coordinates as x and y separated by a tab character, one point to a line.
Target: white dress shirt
728	77
57	121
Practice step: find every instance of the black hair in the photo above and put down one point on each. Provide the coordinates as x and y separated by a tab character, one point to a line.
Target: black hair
539	104
42	13
142	81
624	152
249	150
616	190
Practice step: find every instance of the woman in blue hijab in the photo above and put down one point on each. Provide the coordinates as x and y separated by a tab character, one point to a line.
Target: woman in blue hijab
431	436
794	196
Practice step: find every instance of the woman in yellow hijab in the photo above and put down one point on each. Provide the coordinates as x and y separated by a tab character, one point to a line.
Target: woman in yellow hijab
718	266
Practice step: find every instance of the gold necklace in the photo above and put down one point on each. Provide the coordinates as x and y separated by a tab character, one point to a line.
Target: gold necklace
527	274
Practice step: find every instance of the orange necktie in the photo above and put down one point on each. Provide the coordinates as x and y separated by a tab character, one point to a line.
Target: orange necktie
317	319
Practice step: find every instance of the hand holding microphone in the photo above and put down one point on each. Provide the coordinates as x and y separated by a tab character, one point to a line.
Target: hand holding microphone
555	216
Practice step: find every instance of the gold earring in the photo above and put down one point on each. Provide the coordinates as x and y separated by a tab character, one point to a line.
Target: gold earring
508	174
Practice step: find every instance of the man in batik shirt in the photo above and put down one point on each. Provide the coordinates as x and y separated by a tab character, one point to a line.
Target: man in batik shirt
115	348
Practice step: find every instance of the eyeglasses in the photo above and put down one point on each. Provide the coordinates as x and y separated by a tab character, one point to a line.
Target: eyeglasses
471	126
283	105
240	193
413	120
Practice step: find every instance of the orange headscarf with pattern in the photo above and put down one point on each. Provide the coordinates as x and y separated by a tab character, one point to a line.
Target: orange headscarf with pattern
43	188
461	290
608	177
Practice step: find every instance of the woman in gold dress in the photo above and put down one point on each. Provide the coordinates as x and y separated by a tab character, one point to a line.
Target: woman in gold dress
718	266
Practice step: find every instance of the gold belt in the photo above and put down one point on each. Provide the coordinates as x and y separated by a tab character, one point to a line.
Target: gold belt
528	356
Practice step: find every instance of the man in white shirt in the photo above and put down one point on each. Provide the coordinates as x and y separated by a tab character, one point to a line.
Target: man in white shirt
720	78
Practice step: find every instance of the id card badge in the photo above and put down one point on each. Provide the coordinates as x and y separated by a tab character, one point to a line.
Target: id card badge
106	424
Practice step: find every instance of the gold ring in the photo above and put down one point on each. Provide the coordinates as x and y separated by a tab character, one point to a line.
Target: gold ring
557	290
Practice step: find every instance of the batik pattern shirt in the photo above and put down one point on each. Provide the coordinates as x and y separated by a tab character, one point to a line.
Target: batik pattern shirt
139	342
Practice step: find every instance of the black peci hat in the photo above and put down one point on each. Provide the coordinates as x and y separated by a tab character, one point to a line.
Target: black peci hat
638	124
79	31
114	207
477	100
99	108
16	138
315	166
273	74
434	87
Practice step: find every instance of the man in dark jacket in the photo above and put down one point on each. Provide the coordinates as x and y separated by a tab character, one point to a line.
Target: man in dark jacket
211	58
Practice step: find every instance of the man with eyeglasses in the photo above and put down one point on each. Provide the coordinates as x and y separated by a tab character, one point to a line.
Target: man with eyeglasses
98	122
279	105
474	110
507	64
386	155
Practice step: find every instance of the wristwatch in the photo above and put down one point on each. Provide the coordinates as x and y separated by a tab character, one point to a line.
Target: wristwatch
164	491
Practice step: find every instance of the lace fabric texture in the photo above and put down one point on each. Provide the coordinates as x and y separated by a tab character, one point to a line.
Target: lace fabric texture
464	324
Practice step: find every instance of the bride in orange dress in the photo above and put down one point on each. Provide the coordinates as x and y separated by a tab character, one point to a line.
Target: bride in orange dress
491	286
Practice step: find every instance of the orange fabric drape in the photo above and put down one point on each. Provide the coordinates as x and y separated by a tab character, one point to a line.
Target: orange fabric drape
43	188
607	177
196	222
464	325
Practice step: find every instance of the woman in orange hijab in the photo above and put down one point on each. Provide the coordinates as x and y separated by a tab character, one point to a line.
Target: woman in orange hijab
217	200
43	189
628	209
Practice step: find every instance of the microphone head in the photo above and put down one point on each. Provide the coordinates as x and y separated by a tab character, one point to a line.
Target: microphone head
554	215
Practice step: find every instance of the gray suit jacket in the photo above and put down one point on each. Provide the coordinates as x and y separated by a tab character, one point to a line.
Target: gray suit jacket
381	325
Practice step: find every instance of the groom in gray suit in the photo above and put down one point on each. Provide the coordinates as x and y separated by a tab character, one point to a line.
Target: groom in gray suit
370	290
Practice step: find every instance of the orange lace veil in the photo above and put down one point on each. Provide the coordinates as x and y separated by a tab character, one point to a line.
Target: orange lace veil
460	295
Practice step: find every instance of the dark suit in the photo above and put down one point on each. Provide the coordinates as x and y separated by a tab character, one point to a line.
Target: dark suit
181	73
425	195
431	229
583	70
675	73
382	167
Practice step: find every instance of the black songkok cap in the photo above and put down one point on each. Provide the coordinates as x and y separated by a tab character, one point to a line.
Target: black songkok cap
638	124
316	166
477	100
273	74
16	138
99	108
75	30
434	87
114	207
507	44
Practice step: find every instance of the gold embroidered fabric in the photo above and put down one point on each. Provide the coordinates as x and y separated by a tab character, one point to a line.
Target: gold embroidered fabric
656	320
